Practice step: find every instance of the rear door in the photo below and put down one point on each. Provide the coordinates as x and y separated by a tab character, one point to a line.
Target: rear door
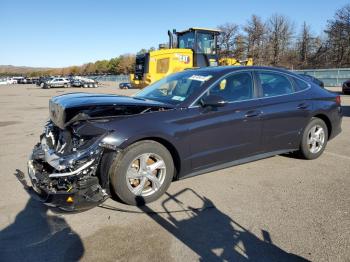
227	133
286	110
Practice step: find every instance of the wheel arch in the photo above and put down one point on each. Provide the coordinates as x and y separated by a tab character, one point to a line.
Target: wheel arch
327	121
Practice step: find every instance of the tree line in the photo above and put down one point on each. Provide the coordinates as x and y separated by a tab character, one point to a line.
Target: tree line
276	42
122	64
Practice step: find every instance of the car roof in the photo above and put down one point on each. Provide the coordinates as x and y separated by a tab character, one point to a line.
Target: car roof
221	70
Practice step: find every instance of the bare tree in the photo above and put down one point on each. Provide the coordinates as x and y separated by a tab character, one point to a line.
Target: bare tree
239	51
280	31
226	40
255	31
338	31
305	45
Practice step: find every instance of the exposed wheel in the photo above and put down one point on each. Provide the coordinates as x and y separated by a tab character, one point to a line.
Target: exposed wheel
314	139
65	85
142	172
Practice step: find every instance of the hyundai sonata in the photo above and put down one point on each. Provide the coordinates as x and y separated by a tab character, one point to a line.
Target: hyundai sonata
186	124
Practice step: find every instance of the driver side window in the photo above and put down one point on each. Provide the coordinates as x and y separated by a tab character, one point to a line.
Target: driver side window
236	87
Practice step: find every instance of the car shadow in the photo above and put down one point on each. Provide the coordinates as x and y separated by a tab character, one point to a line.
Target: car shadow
213	235
36	235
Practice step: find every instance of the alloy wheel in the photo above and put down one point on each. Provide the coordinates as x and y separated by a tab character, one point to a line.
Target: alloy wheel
146	174
316	139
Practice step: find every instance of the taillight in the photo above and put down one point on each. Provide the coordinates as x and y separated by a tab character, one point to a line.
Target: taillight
338	100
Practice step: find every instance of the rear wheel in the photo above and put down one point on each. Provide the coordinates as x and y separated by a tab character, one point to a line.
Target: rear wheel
142	172
314	139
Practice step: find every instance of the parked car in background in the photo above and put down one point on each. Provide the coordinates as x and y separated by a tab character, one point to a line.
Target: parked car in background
125	86
22	81
17	78
57	82
3	81
346	87
41	81
186	124
84	82
313	79
12	81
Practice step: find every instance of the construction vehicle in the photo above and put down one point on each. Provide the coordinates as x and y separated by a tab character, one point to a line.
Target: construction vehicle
194	48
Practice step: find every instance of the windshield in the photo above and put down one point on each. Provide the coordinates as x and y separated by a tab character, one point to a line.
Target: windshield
186	40
175	88
206	43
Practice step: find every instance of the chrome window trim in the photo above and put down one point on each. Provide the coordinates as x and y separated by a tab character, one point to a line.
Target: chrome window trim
192	105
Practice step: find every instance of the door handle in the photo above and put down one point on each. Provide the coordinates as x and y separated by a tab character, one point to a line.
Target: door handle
303	106
253	113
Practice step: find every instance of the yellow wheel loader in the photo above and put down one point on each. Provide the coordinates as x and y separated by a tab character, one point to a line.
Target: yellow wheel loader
194	48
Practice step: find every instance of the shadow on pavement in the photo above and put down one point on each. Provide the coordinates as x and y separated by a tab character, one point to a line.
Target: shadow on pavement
38	236
214	236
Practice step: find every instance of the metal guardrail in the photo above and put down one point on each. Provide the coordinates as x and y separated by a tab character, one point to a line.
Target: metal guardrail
330	77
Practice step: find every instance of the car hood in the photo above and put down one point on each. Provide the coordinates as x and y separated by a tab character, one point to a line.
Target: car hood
69	108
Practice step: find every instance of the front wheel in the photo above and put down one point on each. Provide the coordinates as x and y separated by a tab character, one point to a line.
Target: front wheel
142	172
314	139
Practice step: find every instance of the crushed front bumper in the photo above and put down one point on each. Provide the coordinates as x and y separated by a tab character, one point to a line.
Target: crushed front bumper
69	182
85	197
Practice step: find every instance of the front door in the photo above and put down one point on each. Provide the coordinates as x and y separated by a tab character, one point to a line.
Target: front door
230	132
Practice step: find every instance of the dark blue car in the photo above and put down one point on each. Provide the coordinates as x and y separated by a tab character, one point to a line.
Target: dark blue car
188	123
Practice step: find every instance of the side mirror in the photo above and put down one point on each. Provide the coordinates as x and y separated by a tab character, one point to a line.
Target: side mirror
213	100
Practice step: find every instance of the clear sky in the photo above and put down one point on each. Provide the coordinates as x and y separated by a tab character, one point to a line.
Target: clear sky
72	32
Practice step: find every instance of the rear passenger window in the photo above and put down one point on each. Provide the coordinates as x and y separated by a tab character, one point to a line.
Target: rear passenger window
273	84
236	87
300	85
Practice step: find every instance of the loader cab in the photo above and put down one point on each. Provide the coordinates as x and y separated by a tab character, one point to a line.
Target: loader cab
203	43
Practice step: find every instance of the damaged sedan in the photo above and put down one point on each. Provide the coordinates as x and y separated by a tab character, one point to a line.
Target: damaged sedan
95	145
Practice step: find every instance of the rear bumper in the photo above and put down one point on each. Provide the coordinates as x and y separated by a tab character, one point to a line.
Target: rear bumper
336	123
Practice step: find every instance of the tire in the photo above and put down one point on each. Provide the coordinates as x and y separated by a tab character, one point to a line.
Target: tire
122	184
65	85
306	149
